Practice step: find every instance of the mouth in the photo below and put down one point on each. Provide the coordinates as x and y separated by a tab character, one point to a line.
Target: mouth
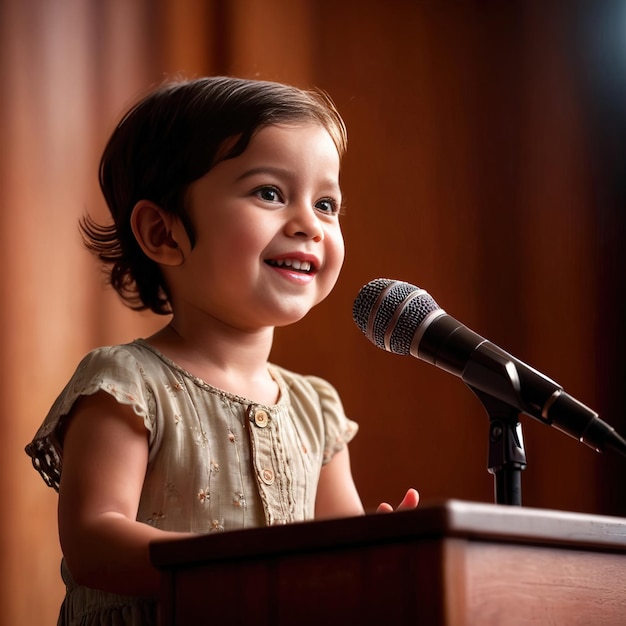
296	265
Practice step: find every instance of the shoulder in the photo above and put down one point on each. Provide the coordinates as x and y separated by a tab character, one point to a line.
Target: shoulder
126	362
130	373
309	385
315	395
132	352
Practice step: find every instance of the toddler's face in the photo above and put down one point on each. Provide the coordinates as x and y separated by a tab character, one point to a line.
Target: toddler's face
269	244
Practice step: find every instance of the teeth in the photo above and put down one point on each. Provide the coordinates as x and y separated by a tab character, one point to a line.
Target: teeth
302	266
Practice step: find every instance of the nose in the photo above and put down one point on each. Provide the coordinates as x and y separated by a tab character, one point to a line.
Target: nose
304	222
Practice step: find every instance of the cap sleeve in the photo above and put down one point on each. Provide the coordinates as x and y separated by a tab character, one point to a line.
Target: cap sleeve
114	370
338	429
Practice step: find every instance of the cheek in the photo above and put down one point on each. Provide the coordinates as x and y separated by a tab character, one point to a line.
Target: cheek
336	250
339	243
239	238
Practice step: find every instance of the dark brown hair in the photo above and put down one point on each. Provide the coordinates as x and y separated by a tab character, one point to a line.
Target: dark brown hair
168	140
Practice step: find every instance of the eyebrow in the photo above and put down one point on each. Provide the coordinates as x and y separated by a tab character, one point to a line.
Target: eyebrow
276	171
281	172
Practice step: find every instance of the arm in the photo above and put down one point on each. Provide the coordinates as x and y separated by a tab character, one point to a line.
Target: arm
336	493
105	455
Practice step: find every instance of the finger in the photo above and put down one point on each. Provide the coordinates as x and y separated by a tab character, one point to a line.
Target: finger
411	500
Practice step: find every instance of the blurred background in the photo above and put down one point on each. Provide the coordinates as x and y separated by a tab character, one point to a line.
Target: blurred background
485	164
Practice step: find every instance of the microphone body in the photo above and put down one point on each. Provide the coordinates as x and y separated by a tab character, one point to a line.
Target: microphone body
404	319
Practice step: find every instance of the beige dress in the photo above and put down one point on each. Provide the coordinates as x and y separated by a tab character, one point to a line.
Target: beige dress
217	461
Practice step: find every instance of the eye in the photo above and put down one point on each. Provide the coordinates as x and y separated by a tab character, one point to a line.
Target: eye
268	194
328	205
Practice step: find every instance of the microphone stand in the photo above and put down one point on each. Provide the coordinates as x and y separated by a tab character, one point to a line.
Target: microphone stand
507	457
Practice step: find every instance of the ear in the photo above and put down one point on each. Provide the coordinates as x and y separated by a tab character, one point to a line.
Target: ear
160	235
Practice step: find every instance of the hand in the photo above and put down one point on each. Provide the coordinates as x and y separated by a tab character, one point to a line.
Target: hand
410	501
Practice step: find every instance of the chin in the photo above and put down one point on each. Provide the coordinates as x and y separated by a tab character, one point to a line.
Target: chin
288	320
290	315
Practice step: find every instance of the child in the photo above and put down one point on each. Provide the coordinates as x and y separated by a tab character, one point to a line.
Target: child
225	201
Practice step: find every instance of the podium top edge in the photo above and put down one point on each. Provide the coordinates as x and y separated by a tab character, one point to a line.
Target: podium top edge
472	521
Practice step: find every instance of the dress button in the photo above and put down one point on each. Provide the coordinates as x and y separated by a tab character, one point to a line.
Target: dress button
261	418
267	476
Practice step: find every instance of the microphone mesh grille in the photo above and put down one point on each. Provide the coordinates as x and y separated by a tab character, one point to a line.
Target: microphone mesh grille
365	301
411	315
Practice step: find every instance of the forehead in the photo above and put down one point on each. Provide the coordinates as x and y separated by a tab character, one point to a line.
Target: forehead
297	127
306	144
301	134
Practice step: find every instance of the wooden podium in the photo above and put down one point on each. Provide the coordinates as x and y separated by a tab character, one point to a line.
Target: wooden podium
456	563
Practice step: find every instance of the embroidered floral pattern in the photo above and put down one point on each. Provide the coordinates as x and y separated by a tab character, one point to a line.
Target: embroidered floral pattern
176	387
239	500
202	440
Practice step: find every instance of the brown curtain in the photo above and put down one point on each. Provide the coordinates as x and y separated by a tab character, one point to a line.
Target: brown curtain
485	165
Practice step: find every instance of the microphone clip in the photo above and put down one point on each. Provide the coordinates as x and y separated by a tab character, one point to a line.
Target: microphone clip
507	456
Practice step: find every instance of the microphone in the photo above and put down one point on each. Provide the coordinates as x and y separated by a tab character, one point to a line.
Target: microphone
401	318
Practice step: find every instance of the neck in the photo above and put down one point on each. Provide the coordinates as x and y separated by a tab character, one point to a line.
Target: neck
225	357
